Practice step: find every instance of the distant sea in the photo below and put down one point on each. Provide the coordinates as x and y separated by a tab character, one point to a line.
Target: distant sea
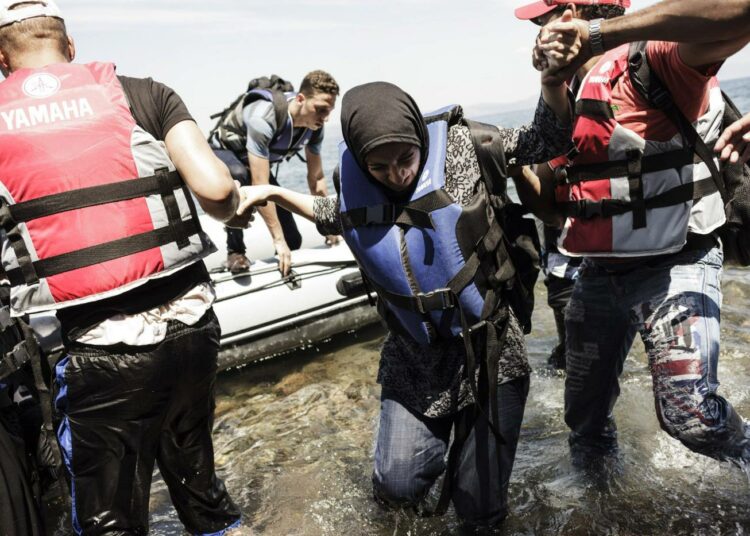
293	173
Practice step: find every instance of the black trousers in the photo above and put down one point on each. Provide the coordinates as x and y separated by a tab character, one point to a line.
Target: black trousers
126	407
235	237
19	510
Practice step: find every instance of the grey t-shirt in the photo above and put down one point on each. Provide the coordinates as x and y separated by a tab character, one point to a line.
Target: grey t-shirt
260	121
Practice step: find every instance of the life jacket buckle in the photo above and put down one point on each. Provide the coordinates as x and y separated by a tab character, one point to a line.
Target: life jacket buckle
436	300
590	209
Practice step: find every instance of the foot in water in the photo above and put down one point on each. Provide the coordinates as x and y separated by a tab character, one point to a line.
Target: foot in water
237	263
557	358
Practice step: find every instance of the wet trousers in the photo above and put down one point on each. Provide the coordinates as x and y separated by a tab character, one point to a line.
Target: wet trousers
19	511
410	456
235	237
674	303
559	291
126	407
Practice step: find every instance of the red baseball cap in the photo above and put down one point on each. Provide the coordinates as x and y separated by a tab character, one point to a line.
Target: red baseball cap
541	7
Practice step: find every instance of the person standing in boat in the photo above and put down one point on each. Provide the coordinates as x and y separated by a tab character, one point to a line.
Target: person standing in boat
99	226
265	127
648	115
422	205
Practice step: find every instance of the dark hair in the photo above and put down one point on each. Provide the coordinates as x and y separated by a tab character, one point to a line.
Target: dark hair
318	82
601	12
34	34
586	12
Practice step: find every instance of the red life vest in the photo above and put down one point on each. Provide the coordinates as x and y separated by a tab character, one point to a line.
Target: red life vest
90	203
626	196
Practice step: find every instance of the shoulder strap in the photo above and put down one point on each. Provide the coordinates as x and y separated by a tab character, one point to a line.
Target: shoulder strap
491	155
647	83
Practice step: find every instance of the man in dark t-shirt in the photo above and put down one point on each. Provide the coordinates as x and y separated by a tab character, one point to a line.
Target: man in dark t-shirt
136	384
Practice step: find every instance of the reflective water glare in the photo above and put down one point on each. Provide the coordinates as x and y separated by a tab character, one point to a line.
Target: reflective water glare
294	438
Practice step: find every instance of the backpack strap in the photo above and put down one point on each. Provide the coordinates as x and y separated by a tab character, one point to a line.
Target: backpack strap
647	83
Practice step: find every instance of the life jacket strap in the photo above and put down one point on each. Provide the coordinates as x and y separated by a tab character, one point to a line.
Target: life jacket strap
606	208
101	253
594	108
163	183
619	168
159	183
12	361
414	214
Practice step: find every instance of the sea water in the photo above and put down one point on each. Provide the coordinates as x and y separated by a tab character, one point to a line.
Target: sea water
294	439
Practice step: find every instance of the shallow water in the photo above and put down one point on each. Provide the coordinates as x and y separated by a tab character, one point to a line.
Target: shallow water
294	441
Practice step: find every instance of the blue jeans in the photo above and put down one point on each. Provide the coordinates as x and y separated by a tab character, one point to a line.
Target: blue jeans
410	456
674	303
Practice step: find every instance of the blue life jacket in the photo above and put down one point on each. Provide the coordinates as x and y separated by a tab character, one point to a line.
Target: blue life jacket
231	133
437	267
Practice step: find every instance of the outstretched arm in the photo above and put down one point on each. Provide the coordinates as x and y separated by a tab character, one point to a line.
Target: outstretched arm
261	195
708	31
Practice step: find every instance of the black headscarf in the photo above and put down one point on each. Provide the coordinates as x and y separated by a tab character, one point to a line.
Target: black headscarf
378	113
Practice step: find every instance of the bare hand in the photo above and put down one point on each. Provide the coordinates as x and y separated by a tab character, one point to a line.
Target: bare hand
252	196
285	256
565	45
241	219
332	240
733	145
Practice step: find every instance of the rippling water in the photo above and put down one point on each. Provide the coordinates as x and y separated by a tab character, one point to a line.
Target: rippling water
294	444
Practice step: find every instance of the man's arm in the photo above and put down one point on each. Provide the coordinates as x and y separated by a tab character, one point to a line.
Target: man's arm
206	176
536	190
709	31
260	173
316	179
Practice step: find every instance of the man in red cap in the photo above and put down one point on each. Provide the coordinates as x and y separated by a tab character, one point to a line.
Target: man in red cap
640	199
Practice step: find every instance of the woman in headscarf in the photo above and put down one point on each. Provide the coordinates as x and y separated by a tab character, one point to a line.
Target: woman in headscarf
424	220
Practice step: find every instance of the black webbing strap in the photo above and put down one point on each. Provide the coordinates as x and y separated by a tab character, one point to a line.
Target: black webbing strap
414	214
650	87
95	195
26	272
45	404
619	168
461	430
635	187
467	417
606	208
594	108
179	234
488	146
102	252
12	361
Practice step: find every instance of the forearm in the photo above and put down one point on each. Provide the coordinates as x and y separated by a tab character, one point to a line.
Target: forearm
544	139
268	213
300	204
684	21
536	195
223	209
556	97
317	184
